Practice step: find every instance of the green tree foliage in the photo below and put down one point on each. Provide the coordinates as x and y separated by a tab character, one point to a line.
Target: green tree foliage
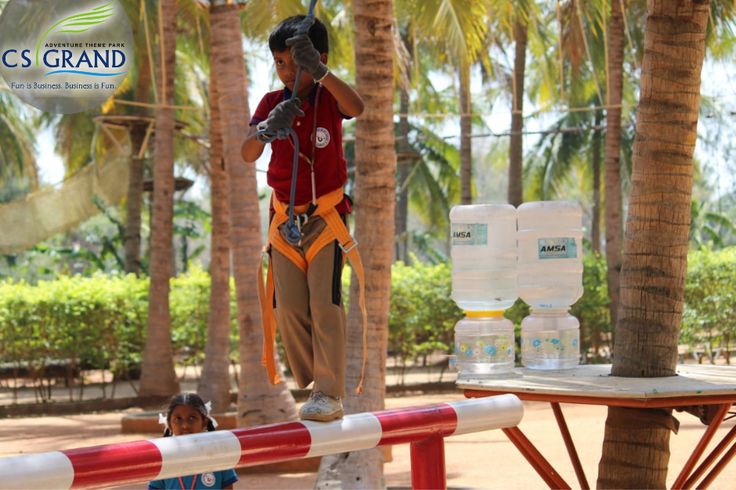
710	228
710	299
17	145
592	311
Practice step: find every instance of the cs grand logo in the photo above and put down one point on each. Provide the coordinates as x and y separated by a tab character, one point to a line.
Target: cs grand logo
62	56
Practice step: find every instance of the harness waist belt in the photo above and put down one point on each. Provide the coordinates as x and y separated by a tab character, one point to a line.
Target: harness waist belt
335	229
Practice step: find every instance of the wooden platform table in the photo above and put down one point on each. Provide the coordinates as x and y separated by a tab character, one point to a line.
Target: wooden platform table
694	385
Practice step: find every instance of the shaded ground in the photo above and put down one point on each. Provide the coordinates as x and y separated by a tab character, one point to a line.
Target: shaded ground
481	460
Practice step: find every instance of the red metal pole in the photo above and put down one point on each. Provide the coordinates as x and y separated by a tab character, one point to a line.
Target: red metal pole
570	445
535	458
702	444
711	458
428	463
718	467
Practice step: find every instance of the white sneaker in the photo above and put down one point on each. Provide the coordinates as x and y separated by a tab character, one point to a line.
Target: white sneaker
321	407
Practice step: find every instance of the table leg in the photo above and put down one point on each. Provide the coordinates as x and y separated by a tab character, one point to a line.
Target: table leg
718	467
535	458
711	458
702	444
570	445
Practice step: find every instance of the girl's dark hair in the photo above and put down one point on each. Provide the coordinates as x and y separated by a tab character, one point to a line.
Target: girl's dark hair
287	28
194	401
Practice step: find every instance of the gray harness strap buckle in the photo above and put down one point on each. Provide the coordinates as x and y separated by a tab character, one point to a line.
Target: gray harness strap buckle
347	248
301	220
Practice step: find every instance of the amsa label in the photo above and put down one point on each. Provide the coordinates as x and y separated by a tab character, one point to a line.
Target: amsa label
469	234
557	248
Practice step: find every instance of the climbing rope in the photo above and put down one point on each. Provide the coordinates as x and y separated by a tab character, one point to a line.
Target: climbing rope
293	233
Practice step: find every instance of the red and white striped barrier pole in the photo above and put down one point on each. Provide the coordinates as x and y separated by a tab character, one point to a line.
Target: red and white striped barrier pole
117	464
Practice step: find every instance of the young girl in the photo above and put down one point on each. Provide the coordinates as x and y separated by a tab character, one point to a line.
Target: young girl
188	414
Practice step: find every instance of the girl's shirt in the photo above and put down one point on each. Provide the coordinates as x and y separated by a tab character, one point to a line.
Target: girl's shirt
209	480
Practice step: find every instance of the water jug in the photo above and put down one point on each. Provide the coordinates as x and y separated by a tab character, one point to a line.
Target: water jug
484	344
550	253
550	339
483	256
550	280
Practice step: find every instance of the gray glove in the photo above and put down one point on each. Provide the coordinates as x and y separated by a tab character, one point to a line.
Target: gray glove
281	117
306	56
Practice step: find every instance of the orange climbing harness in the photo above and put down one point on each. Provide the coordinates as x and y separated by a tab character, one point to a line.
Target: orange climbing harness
335	229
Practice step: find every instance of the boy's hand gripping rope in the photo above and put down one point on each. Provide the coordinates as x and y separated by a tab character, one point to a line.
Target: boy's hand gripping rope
293	233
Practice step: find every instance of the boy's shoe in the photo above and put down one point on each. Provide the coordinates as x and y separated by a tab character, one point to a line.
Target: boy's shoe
321	407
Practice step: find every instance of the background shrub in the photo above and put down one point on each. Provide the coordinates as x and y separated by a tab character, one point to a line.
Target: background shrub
100	321
710	299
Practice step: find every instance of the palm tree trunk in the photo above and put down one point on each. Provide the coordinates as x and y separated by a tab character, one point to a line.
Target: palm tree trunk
613	207
595	226
215	381
258	402
375	191
134	201
404	169
636	445
516	147
157	374
133	209
466	127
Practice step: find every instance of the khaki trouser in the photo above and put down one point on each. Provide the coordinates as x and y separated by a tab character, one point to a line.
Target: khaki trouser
310	316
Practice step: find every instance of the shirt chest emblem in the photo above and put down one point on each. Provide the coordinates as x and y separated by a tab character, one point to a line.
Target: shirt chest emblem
323	138
208	479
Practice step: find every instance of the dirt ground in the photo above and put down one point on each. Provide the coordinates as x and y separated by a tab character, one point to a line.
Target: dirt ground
480	460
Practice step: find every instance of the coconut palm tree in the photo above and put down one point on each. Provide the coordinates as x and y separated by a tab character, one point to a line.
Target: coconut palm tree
572	146
432	186
427	165
405	157
134	198
157	374
258	402
375	193
17	152
722	14
516	146
517	23
573	142
458	29
656	240
214	384
612	163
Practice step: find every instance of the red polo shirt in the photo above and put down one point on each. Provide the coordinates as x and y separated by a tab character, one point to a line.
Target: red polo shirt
330	167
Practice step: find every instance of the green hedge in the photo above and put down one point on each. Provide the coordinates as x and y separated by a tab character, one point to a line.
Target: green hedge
100	321
422	315
93	322
710	298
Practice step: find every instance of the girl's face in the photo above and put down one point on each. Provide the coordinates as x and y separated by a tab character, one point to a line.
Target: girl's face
186	419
